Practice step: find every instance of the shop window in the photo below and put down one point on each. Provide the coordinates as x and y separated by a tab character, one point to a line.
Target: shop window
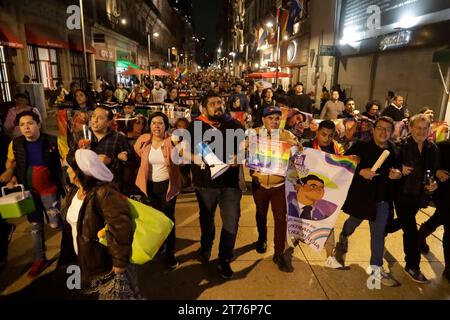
5	89
44	66
77	67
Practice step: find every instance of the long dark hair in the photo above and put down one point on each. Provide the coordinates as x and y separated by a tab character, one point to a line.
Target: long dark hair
87	182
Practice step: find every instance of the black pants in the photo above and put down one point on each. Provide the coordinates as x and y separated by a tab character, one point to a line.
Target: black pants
434	222
443	216
406	211
157	196
4	231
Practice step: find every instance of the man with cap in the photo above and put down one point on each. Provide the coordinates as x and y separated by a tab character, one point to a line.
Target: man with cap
270	189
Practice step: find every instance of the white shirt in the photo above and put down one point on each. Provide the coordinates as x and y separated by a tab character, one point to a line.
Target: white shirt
160	171
159	95
72	218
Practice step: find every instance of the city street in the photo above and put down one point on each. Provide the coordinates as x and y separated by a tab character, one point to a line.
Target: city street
256	276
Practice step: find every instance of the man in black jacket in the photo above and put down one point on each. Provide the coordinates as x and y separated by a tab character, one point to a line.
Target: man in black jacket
369	196
442	201
419	159
300	100
223	190
396	111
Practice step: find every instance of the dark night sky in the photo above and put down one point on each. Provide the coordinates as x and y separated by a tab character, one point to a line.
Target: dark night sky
206	15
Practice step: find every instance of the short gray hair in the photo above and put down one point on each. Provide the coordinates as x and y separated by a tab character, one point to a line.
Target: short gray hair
419	117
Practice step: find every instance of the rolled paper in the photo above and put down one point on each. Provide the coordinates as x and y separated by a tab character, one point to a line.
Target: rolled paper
380	160
84	132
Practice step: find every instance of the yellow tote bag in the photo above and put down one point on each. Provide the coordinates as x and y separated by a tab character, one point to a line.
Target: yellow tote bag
151	228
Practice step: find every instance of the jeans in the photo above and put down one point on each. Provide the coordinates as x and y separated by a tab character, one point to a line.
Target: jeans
377	229
277	199
229	201
406	212
43	204
157	195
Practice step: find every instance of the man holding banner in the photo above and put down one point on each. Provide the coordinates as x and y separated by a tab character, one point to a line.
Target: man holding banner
369	196
268	188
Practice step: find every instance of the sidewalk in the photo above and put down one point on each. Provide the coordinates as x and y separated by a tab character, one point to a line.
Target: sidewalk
256	276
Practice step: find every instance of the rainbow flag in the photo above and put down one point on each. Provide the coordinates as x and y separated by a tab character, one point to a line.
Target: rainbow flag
184	74
347	162
284	22
438	131
268	156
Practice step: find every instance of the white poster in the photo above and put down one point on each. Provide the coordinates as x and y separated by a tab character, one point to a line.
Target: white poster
317	184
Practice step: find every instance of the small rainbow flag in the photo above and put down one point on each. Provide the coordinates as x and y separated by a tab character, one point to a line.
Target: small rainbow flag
268	157
348	162
438	131
184	74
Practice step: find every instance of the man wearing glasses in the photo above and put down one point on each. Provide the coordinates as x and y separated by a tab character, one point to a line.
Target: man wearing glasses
370	195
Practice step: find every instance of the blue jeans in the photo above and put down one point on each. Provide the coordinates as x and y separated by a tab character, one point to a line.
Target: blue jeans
229	201
44	204
377	229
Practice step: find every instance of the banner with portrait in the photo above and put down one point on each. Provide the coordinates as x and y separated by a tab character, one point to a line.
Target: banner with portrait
317	184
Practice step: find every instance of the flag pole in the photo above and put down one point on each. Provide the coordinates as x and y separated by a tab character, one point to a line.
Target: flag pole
278	45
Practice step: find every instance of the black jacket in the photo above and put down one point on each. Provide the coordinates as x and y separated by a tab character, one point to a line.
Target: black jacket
412	185
442	194
102	205
394	113
364	194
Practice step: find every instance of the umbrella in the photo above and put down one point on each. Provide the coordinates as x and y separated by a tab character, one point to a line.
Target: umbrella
160	73
271	74
133	72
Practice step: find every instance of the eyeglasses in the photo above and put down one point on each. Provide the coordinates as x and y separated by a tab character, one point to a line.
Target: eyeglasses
380	128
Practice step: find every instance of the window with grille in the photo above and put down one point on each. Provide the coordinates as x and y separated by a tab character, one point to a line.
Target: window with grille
44	66
5	89
77	65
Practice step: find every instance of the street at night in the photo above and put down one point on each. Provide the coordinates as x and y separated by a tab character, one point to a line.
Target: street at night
224	150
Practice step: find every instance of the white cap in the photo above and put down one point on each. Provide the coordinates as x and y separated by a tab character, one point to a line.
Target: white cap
91	165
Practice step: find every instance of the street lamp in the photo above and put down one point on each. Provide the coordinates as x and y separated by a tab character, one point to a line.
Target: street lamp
269	24
155	35
233	54
123	21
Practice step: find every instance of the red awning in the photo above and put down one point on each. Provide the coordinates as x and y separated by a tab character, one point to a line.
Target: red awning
76	44
267	75
8	39
44	36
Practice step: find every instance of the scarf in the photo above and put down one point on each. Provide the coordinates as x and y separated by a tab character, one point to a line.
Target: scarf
213	124
316	146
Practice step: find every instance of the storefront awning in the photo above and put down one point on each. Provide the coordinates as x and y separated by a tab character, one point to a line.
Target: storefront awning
8	39
76	44
44	36
125	64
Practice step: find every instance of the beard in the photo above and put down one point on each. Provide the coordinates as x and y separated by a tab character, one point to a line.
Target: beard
216	117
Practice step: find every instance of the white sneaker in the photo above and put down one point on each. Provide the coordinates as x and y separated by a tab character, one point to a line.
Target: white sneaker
385	278
332	263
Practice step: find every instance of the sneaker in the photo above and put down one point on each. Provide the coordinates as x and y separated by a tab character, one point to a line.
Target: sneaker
343	242
282	264
225	269
332	263
385	278
261	246
172	261
416	275
37	267
204	255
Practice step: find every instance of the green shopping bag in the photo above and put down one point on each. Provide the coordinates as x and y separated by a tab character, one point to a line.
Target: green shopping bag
151	228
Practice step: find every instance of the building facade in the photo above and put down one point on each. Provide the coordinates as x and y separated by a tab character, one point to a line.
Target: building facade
36	40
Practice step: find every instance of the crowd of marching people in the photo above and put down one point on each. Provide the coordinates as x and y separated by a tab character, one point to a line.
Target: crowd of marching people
119	142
